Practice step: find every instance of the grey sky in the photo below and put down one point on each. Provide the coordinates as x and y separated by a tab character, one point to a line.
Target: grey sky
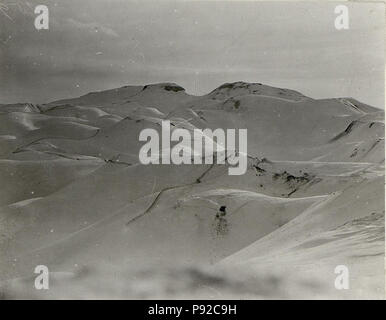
100	44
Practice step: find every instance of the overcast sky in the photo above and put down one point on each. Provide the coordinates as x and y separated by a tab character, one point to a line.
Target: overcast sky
100	44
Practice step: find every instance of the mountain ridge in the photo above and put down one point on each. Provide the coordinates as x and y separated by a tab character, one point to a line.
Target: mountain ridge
172	87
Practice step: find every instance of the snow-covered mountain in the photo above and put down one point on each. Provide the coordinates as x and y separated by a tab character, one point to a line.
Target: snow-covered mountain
74	197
